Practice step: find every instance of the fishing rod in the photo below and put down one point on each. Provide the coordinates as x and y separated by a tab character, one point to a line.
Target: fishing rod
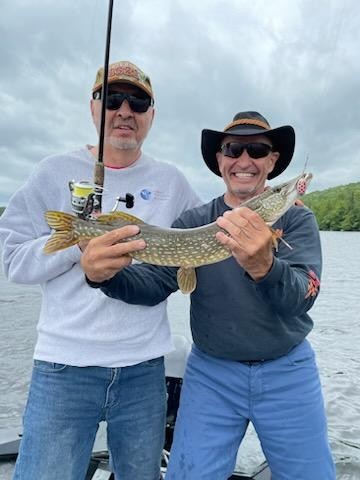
99	164
86	198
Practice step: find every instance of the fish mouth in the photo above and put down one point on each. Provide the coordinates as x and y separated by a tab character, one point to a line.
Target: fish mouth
290	186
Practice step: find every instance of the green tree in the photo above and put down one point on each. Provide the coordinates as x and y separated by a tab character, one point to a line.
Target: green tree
336	208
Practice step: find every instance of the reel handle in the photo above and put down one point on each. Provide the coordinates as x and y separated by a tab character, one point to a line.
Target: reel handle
128	200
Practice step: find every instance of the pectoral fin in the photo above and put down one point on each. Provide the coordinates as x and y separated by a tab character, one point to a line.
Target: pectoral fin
186	278
276	236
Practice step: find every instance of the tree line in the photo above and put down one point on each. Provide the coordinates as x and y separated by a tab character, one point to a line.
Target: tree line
336	208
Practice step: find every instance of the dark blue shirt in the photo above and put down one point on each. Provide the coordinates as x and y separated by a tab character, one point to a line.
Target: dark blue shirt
231	315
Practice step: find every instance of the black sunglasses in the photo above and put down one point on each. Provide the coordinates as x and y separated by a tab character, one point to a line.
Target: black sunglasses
115	100
254	149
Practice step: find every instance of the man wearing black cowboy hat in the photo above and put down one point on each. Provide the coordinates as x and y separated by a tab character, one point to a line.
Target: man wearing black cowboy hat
250	361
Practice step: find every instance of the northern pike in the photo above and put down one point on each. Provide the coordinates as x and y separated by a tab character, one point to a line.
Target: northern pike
174	247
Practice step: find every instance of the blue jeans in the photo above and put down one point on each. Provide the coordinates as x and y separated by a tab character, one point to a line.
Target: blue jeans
283	400
63	411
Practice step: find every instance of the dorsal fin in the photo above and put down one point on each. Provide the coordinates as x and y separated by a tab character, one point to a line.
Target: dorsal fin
114	217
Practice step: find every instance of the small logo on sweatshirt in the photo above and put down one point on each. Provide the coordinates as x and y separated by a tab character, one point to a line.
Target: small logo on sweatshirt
145	194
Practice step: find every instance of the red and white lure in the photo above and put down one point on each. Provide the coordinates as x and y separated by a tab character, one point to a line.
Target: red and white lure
301	186
303	182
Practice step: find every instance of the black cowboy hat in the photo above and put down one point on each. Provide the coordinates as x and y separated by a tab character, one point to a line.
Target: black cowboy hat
250	123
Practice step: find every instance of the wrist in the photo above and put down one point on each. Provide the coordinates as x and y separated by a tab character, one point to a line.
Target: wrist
95	284
260	271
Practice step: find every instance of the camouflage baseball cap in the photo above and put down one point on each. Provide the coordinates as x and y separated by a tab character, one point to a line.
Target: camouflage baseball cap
124	72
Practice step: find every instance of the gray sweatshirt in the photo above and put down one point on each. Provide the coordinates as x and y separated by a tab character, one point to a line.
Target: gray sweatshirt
80	326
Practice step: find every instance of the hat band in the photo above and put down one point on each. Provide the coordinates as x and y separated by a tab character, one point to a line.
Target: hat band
247	121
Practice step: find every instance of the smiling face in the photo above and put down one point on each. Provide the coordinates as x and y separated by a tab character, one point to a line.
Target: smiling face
245	176
125	130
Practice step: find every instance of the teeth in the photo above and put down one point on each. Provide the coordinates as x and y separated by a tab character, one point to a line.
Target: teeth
243	174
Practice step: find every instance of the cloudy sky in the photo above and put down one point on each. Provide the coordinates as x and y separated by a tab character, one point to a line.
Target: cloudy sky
296	62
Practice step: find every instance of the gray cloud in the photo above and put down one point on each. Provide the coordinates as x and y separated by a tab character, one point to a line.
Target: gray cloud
295	62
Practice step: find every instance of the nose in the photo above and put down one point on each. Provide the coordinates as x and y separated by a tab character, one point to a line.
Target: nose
124	110
244	158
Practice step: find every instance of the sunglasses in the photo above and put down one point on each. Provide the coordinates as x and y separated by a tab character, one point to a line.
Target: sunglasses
115	100
254	149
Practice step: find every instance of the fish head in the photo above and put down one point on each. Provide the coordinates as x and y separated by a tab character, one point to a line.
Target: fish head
294	188
275	201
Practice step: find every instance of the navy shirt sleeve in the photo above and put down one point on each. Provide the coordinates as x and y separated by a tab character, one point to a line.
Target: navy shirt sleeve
293	283
141	284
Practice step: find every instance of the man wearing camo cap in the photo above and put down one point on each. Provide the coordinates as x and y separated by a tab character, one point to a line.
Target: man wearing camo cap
96	359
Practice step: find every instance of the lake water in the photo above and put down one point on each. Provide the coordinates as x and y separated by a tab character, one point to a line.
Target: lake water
336	339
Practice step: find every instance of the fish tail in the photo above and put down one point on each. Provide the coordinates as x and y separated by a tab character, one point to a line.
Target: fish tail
64	235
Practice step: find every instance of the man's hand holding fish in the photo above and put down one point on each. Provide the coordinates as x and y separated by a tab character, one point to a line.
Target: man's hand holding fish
250	240
106	255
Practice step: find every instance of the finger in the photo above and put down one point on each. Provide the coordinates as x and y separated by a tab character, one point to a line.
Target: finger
112	265
244	217
83	244
105	273
124	248
235	247
97	254
100	268
116	235
235	228
224	239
